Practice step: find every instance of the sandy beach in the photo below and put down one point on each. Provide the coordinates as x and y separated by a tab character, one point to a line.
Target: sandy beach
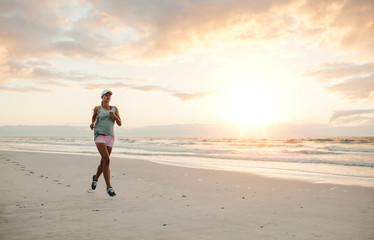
48	196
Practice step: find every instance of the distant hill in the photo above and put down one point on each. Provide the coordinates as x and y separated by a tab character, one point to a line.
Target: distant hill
196	130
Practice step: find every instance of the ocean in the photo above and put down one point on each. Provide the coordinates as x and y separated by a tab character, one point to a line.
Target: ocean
334	160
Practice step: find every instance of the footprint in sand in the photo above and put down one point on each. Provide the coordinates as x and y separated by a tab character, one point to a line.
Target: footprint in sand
57	181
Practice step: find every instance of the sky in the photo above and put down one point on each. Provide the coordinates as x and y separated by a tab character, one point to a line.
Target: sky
250	64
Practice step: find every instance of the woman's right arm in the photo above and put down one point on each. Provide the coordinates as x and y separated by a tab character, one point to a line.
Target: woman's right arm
95	112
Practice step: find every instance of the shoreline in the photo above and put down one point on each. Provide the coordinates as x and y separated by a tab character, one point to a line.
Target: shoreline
47	196
277	173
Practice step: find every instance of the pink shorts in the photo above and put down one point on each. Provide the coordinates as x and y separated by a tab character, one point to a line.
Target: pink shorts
107	139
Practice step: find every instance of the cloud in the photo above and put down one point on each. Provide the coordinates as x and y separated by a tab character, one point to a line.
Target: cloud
37	72
152	88
29	73
338	70
53	30
31	35
186	25
125	31
189	96
355	117
351	81
115	30
23	89
359	88
345	25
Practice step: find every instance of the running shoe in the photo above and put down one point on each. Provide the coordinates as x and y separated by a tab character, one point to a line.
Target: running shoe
94	183
111	192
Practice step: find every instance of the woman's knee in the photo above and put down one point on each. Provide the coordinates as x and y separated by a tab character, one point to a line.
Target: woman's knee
105	160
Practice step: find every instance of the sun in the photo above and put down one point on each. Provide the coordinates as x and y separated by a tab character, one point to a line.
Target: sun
250	104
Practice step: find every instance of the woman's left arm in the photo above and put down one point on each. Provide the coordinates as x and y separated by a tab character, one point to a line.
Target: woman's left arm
117	118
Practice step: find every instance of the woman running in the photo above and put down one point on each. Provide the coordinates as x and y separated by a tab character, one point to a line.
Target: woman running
103	119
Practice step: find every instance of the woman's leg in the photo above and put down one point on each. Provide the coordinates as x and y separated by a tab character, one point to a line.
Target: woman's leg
104	164
100	167
99	170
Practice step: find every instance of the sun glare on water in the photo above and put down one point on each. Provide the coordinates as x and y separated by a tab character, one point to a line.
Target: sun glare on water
250	104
